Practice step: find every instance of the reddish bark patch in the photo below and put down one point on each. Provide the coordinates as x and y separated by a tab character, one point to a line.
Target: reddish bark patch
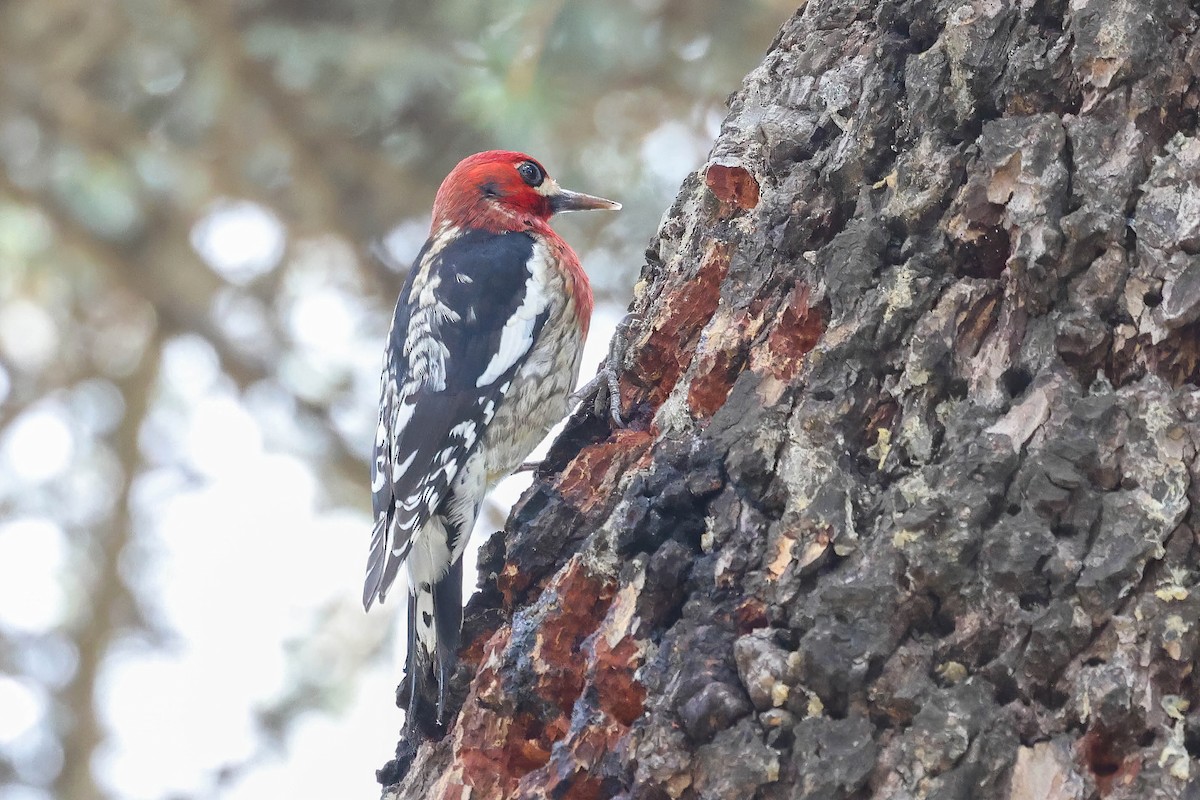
494	752
1108	766
619	694
605	703
600	465
671	343
511	582
487	687
492	748
530	742
495	746
750	615
568	773
975	322
799	329
714	379
581	599
733	185
475	648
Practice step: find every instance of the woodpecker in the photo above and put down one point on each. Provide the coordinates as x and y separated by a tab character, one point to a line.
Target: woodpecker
480	361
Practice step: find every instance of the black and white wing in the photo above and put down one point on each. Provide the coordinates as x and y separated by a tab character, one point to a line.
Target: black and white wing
468	316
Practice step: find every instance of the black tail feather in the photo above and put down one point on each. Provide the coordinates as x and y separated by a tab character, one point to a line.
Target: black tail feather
414	668
447	616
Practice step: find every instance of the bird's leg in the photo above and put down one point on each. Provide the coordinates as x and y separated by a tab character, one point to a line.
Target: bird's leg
605	388
602	386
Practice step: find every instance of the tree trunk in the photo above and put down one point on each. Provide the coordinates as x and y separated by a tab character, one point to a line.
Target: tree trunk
905	509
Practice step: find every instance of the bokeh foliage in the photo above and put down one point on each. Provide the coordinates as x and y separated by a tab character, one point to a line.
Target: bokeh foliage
136	136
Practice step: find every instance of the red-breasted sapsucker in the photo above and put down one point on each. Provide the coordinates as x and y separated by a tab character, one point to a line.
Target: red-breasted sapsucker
480	362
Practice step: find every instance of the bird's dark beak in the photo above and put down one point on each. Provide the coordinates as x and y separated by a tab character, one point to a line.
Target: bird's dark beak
564	200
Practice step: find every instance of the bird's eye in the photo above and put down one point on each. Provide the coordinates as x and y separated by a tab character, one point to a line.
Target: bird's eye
531	173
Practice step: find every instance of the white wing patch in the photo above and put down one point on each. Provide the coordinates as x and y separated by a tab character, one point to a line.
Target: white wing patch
403	413
466	430
517	336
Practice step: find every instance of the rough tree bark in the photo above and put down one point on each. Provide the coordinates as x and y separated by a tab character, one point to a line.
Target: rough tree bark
907	506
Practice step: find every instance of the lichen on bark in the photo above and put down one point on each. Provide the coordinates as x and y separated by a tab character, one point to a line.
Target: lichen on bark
906	507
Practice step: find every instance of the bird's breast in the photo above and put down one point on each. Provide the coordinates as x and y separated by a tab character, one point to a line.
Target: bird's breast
539	396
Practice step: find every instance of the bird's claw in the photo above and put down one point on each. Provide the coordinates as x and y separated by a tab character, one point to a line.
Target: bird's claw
605	389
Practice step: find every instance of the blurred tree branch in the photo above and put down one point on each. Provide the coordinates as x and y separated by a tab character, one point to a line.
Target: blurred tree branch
111	607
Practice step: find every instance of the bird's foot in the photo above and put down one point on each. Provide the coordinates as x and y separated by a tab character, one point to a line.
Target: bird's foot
604	390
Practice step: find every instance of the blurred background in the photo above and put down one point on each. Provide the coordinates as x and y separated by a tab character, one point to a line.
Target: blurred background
191	328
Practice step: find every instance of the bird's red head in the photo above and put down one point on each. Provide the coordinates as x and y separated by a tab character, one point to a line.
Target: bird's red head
500	190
